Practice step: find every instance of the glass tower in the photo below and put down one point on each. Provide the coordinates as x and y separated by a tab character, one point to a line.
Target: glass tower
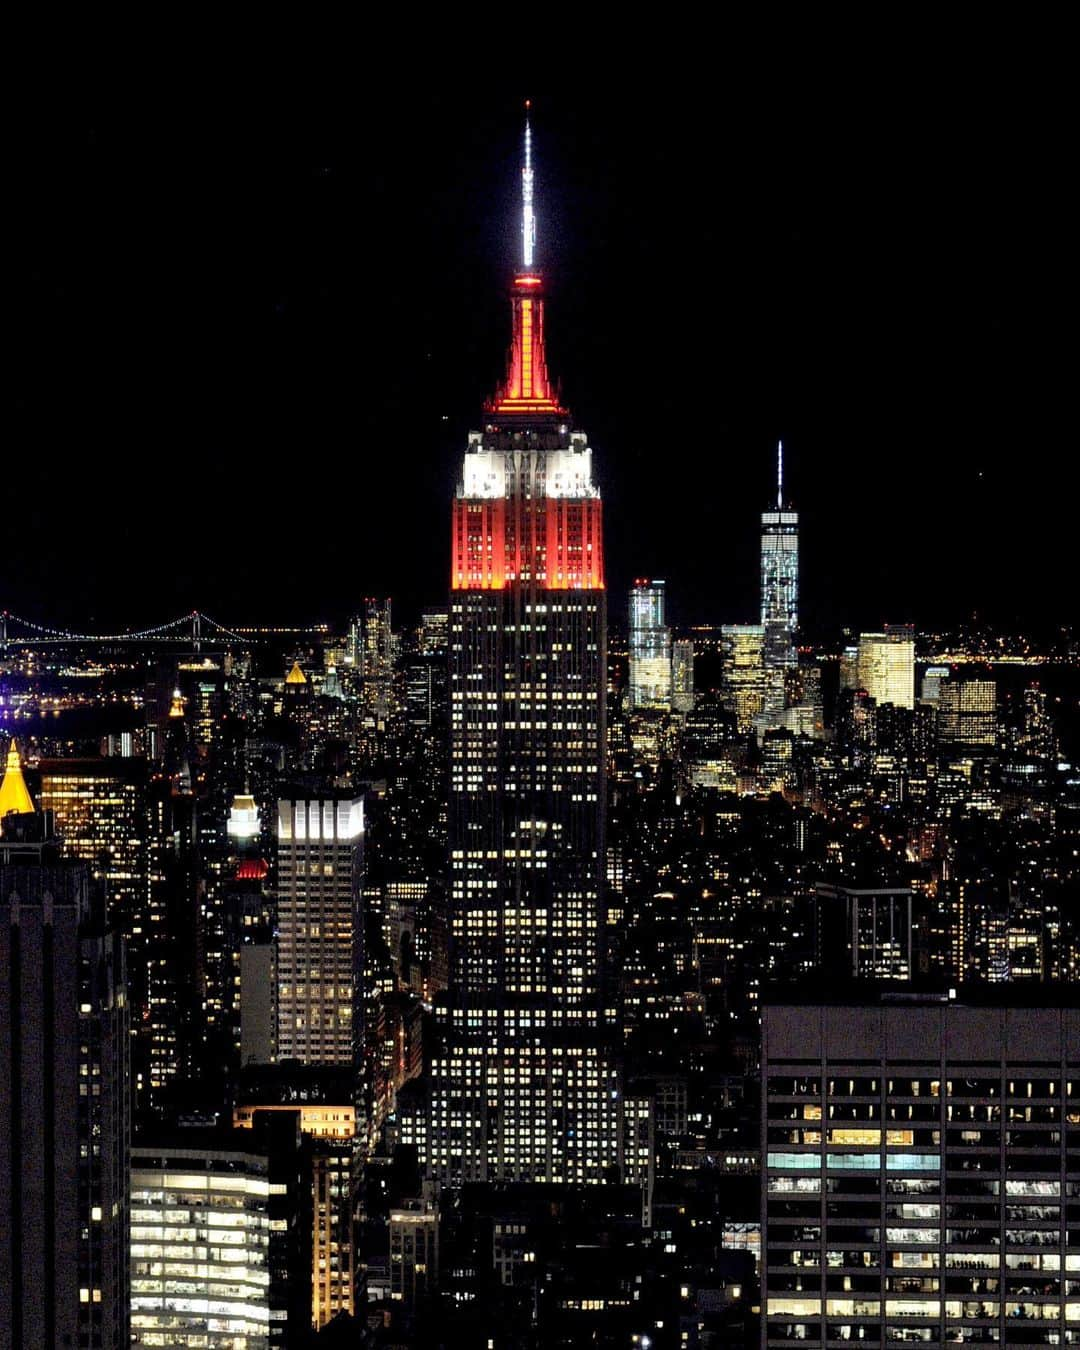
650	647
780	560
886	665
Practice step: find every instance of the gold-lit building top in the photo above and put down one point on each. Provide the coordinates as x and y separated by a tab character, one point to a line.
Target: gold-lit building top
15	796
296	675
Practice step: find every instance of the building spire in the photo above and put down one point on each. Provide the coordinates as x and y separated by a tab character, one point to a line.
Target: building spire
528	388
528	220
779	475
14	796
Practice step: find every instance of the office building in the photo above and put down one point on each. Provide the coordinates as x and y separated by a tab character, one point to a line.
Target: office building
867	931
322	1101
425	689
200	1245
434	630
319	946
414	1251
886	665
113	818
522	1087
377	661
650	647
921	1163
64	1096
744	684
934	677
682	677
967	716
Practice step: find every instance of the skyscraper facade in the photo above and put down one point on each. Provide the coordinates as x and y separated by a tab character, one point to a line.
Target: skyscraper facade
521	1086
886	665
64	1100
919	1168
780	559
742	646
682	677
208	1283
967	715
319	954
650	647
122	821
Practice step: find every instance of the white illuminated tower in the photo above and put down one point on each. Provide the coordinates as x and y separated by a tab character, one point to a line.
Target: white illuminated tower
650	647
522	1087
319	946
780	564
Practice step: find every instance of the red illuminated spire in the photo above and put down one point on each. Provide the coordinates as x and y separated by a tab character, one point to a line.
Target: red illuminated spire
528	389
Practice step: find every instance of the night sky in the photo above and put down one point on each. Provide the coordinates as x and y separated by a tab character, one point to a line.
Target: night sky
253	325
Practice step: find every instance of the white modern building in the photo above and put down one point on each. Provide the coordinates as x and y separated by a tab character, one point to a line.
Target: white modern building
319	946
200	1234
650	647
780	559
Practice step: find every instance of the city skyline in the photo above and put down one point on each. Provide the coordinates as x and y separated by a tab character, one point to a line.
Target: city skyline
415	960
893	339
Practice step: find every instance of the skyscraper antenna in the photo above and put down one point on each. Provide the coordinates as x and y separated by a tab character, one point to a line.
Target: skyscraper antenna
528	220
779	475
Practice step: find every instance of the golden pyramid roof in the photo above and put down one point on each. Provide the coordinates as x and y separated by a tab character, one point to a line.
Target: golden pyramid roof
14	794
296	675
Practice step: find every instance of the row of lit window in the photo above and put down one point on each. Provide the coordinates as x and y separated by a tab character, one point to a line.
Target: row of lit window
953	1308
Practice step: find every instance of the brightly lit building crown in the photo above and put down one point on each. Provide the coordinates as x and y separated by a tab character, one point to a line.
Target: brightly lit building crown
527	510
15	796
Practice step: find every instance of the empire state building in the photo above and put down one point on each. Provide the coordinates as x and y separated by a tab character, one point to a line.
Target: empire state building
523	1086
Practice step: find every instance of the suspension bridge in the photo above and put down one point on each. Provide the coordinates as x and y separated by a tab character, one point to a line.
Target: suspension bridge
191	629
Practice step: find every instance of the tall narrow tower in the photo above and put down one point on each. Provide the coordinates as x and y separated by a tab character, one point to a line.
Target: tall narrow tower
780	558
650	647
522	1088
779	593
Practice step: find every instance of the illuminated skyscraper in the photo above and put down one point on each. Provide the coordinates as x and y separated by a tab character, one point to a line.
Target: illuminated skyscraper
780	559
377	660
682	677
967	715
650	647
522	1087
319	930
135	833
744	686
64	1095
886	665
916	1166
209	1285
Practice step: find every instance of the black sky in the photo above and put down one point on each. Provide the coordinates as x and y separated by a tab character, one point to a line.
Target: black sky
253	323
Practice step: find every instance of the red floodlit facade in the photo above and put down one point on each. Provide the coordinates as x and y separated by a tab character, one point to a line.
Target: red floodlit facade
528	388
526	511
556	541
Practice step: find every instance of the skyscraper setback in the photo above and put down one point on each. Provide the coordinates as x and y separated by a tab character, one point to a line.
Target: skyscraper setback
521	1086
